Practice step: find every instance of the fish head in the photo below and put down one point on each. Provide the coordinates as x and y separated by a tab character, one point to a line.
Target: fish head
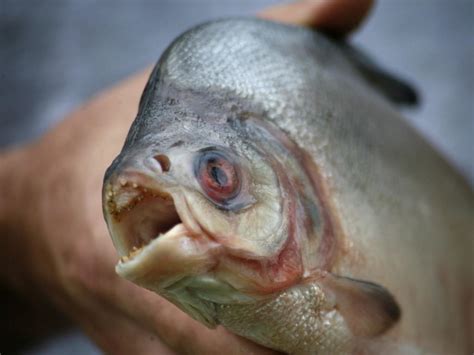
205	203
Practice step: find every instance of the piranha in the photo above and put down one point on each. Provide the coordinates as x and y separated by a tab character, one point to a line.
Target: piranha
269	185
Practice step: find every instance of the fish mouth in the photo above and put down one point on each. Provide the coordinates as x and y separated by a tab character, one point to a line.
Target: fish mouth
137	216
156	237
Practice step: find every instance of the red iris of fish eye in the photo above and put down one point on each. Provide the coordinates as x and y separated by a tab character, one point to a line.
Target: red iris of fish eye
219	178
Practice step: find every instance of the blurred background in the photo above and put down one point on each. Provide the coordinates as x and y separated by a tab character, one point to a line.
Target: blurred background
56	54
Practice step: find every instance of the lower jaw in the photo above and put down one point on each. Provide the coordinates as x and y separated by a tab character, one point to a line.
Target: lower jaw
168	258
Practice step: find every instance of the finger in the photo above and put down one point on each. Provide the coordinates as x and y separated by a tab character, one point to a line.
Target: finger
117	334
337	17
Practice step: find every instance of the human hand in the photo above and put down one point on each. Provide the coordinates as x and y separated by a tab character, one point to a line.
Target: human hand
53	233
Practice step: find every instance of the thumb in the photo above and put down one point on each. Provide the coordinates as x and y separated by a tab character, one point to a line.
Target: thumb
338	17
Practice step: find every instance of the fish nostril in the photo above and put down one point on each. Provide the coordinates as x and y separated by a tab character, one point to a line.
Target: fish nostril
164	162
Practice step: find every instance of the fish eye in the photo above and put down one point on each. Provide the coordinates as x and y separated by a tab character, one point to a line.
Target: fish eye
218	175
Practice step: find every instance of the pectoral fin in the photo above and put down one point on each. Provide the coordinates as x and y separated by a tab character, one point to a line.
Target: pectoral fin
368	308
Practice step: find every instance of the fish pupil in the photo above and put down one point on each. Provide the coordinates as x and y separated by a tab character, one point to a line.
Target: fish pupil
219	176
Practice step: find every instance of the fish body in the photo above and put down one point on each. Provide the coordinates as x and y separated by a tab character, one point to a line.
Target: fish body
268	184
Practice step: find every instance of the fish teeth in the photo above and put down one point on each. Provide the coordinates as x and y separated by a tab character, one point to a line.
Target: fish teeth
134	252
123	182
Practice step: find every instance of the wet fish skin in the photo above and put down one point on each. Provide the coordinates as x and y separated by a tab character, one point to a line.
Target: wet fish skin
374	201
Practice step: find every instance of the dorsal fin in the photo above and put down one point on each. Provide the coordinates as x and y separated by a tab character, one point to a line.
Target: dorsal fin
393	88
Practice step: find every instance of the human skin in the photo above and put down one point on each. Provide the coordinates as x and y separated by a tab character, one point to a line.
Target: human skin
53	239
